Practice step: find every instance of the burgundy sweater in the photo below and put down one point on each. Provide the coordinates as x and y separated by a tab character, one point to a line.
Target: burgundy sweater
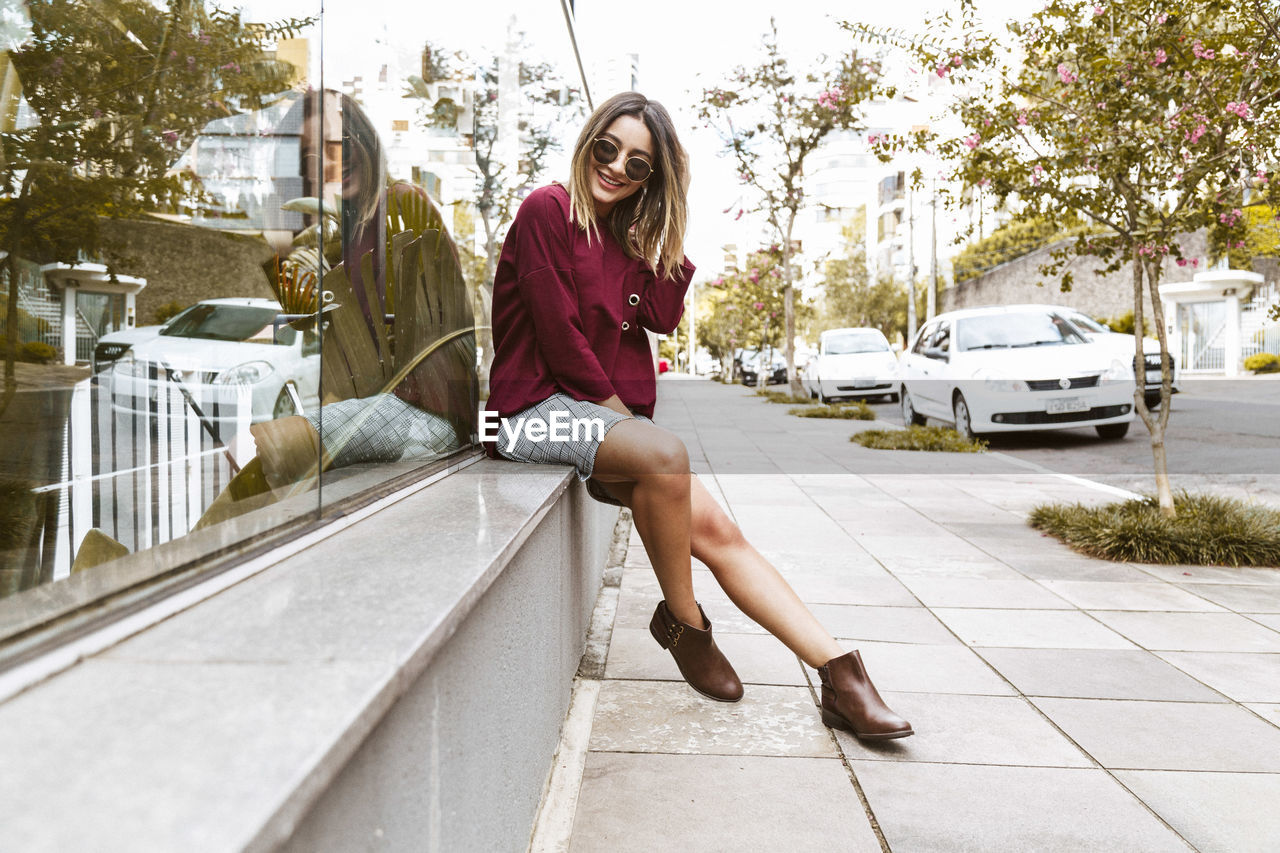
570	317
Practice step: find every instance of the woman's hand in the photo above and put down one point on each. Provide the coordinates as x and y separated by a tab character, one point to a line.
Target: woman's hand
615	404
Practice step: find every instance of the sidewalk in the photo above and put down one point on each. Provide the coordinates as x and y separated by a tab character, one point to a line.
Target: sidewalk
1059	702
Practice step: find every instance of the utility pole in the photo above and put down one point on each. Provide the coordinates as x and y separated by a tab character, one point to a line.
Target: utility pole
931	303
692	312
911	264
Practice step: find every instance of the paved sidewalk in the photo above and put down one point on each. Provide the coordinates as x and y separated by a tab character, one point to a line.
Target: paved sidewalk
1059	702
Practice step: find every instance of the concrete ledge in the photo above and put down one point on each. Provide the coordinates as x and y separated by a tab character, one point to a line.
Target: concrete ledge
377	689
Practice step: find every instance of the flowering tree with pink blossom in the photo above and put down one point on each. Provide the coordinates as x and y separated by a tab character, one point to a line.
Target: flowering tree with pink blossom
1148	119
771	119
746	306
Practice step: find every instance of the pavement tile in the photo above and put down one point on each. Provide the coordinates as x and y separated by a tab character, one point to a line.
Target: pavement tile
757	658
1266	711
1062	629
1243	598
1077	568
909	667
972	592
638	580
695	803
1242	676
1192	632
1214	574
981	567
962	808
918	545
661	716
888	624
1096	674
1271	620
961	729
1109	595
821	588
1217	812
847	562
1138	735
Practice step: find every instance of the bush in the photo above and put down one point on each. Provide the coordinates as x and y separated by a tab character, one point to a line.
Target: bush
1124	324
858	411
1208	530
166	312
38	352
1263	362
918	438
1012	240
781	396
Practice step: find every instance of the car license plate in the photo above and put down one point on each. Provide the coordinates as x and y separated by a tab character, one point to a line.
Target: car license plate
1066	404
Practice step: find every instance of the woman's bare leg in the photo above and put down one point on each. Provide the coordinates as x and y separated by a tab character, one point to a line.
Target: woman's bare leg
677	517
651	467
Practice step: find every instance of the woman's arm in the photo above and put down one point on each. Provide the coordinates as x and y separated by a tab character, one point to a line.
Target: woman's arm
662	302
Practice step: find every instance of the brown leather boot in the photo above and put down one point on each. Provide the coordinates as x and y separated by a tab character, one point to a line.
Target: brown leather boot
850	701
701	662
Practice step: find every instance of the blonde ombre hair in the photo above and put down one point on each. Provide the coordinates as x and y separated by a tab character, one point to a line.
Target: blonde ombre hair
648	224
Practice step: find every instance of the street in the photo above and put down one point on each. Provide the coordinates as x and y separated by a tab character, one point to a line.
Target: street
1223	436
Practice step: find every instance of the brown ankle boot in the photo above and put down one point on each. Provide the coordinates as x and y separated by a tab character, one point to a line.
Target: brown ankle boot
700	660
850	701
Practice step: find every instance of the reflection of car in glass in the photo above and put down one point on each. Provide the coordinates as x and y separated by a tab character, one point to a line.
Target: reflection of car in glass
220	351
115	344
1013	368
1121	345
851	363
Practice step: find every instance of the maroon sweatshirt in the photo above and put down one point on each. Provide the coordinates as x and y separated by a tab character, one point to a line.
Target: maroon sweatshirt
570	316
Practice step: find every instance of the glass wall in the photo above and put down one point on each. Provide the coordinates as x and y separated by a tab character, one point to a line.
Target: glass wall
246	259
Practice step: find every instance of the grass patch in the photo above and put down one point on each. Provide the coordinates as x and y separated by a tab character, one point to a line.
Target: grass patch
858	411
918	438
1208	530
782	396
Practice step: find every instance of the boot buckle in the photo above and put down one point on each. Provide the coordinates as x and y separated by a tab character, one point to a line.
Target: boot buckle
674	632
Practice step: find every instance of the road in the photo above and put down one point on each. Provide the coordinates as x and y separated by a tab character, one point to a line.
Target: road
1223	436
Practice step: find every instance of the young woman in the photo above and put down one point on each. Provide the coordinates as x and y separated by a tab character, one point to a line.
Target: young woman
585	270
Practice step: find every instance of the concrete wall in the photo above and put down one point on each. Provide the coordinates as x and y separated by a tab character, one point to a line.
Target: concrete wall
460	761
1108	295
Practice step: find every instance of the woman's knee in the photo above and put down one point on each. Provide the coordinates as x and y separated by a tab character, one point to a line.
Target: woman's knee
713	529
666	456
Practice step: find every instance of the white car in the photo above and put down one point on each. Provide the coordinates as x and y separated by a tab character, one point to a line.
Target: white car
1122	345
854	362
221	355
112	345
1013	369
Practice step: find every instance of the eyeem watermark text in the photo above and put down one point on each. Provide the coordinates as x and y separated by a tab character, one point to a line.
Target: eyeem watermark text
559	427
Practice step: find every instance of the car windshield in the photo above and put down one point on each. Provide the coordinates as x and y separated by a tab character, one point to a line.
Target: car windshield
224	323
1087	323
1013	331
856	342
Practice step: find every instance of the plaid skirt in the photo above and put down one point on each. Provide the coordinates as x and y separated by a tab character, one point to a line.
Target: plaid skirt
574	431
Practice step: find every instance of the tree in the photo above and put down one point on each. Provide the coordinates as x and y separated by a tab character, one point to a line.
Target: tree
770	121
1145	119
506	169
851	298
119	90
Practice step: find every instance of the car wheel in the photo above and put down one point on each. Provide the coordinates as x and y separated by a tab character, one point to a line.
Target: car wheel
891	398
964	425
910	416
1152	400
1112	432
284	406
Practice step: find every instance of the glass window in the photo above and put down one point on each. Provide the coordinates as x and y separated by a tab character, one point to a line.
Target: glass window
856	342
1014	330
262	284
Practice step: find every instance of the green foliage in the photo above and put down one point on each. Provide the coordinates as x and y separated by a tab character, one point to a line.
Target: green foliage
858	411
38	352
781	396
1263	362
166	312
1208	530
850	298
1012	240
744	308
938	439
1256	233
1124	324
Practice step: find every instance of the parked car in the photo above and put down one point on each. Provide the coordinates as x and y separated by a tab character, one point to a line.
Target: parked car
1014	368
1122	345
851	363
750	360
217	353
113	345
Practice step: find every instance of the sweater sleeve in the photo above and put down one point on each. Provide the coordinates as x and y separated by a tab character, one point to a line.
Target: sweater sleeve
662	303
547	289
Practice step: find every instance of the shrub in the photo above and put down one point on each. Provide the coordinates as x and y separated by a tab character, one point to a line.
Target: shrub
918	438
782	396
858	411
1012	240
166	312
1208	530
1263	362
38	352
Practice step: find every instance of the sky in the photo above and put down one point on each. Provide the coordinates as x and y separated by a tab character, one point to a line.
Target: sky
683	46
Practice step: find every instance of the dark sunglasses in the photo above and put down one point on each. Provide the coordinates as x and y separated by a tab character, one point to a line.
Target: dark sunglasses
605	153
